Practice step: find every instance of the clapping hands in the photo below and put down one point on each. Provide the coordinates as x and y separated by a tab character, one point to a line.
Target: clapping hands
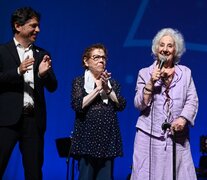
45	65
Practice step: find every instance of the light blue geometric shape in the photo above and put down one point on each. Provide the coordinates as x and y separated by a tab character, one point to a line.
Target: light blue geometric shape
131	41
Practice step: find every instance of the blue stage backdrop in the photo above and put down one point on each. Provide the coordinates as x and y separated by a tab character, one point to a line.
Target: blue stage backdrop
126	28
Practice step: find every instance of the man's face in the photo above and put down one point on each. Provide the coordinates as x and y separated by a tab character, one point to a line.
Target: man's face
28	32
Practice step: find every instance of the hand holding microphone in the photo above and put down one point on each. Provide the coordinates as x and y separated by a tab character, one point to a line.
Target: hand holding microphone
156	74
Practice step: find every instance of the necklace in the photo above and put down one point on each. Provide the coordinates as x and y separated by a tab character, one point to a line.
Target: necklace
167	75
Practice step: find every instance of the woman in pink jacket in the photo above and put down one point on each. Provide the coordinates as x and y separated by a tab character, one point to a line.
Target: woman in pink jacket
165	95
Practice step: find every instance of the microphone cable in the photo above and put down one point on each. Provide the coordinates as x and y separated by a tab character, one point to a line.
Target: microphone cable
150	143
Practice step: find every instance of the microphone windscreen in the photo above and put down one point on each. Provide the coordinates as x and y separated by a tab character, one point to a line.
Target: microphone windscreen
162	60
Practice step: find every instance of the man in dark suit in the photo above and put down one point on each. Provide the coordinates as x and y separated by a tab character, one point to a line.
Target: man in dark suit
25	70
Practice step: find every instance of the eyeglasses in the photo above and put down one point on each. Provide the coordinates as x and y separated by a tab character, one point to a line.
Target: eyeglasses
98	57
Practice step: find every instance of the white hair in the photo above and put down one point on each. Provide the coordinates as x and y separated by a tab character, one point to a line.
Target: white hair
177	37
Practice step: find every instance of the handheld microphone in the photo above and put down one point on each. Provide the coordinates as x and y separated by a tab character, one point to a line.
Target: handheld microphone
162	61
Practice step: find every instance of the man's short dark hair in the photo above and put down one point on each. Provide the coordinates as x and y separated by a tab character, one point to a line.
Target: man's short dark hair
22	15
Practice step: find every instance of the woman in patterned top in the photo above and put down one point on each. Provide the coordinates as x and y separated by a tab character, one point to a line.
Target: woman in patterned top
96	99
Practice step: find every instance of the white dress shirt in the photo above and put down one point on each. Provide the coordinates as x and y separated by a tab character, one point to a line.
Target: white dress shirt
29	75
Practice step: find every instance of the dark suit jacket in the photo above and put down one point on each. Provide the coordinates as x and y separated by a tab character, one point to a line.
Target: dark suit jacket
12	86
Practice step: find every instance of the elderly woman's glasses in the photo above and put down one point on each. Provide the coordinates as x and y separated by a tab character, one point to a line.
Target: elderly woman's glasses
98	57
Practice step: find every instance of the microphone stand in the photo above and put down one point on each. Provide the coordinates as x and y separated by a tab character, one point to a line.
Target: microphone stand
166	126
174	156
68	161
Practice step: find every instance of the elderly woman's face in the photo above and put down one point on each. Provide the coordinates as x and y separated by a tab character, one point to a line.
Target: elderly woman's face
97	61
166	47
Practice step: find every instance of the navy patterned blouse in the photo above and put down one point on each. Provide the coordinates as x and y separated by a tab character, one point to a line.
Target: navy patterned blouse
96	132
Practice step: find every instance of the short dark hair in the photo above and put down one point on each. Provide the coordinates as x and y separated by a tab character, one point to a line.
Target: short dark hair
87	51
22	15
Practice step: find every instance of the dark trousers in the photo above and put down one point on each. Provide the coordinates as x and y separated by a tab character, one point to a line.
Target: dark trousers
95	169
31	144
